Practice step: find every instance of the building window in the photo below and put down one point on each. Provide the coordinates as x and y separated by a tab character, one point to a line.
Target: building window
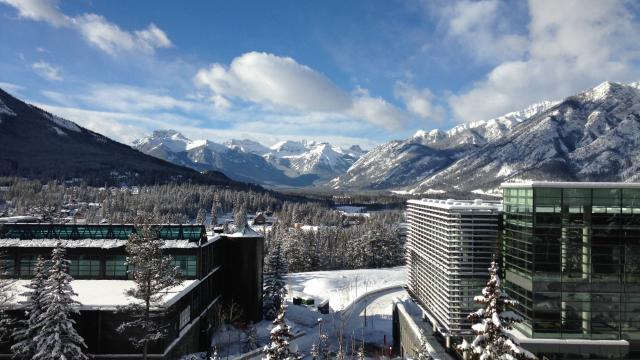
28	265
186	263
7	267
84	266
115	267
185	317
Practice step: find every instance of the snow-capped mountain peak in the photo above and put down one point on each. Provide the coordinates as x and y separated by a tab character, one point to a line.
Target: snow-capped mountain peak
247	146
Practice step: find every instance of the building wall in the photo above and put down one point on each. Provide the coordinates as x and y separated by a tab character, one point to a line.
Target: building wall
448	252
572	260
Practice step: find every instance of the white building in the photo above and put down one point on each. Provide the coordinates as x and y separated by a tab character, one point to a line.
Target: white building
449	248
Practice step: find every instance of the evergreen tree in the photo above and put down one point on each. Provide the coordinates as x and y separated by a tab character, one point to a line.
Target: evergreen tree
240	217
280	335
152	273
201	217
26	330
493	341
274	290
57	337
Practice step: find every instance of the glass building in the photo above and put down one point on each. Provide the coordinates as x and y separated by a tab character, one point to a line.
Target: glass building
571	254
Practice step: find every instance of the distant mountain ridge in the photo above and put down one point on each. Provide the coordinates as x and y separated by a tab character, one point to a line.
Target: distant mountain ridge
40	145
591	136
287	163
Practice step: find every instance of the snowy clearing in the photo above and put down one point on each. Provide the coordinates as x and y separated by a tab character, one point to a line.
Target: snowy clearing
343	286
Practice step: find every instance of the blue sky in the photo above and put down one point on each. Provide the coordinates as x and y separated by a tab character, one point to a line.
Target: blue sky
347	72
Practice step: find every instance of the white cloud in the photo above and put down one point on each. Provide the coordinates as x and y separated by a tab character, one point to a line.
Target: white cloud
482	28
377	111
282	84
94	28
47	70
118	97
270	79
574	45
419	101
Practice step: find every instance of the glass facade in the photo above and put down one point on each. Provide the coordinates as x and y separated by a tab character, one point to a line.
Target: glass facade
187	264
572	260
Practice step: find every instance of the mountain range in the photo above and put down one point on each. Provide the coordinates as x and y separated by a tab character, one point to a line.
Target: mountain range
39	145
287	163
590	136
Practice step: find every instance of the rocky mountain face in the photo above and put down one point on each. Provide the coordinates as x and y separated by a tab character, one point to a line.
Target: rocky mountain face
287	163
591	136
40	145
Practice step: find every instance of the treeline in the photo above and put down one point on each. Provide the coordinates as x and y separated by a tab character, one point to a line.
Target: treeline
373	244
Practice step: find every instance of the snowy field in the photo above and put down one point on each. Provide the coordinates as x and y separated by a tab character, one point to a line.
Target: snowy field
341	287
360	302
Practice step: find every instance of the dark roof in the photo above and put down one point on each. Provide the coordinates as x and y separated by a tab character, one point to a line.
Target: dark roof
26	231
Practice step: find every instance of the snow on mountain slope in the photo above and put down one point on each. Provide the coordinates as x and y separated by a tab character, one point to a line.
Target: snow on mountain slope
591	136
277	164
169	139
401	163
248	146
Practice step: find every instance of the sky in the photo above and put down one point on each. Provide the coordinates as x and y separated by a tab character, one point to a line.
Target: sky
348	72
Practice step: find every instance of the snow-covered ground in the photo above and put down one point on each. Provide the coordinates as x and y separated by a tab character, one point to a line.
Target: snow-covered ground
341	287
352	294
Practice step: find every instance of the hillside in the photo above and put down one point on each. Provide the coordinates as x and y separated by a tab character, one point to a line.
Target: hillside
39	145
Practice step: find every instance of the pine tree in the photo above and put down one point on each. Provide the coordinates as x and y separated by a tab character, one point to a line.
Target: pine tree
274	290
280	335
493	341
57	337
152	273
26	330
240	217
201	217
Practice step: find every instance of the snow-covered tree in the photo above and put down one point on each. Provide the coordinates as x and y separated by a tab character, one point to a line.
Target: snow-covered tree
152	273
26	330
423	351
215	355
493	320
274	290
280	335
201	217
252	338
320	349
240	217
57	337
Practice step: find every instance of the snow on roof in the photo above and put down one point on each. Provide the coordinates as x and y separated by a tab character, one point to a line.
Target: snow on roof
104	294
246	231
560	184
451	204
89	243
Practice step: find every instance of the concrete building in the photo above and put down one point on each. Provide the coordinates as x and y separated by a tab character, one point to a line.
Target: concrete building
212	267
572	260
449	247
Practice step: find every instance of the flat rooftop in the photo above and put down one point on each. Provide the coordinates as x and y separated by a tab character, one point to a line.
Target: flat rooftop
103	294
568	184
451	204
